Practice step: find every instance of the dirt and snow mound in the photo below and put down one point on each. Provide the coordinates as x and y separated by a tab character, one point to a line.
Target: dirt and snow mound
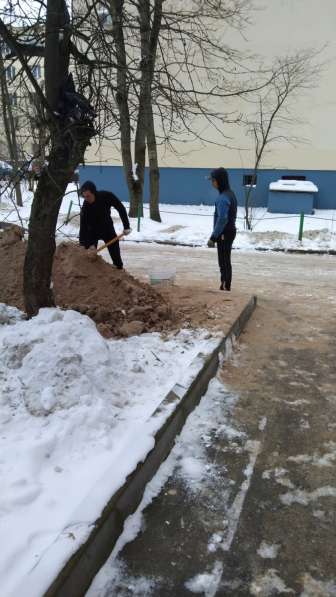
119	304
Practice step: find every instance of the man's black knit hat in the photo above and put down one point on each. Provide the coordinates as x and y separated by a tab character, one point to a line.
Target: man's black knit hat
88	186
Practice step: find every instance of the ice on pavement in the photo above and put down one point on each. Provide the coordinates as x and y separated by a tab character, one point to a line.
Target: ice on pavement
268	551
269	584
206	583
189	462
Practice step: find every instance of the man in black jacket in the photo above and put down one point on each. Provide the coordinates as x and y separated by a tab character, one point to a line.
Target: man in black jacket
96	222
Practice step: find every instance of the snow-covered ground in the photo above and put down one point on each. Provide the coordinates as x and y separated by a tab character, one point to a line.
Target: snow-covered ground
72	404
192	224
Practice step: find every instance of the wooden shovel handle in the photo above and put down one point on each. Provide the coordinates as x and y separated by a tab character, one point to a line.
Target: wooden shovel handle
110	242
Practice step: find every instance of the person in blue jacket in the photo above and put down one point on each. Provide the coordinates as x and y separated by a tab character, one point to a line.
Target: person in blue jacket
224	230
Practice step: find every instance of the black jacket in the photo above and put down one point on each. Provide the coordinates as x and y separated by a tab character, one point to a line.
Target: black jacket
95	218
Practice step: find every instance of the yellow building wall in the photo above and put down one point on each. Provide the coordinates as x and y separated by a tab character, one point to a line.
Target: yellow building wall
278	27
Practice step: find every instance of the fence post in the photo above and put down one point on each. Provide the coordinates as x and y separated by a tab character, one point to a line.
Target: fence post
139	216
68	214
301	226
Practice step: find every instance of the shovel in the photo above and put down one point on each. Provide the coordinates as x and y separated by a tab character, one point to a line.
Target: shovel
110	242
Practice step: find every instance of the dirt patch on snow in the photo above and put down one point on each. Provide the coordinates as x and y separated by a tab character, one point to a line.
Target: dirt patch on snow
173	228
268	236
202	307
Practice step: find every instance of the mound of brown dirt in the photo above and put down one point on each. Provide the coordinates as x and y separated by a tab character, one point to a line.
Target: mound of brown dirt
118	303
12	254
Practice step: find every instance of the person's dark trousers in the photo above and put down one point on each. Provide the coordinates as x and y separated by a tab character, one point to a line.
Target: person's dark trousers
114	249
224	246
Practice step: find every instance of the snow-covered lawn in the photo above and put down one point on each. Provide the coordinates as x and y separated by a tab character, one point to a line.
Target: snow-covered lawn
192	224
75	419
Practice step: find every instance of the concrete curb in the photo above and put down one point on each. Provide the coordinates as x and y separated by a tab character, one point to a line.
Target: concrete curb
77	575
247	250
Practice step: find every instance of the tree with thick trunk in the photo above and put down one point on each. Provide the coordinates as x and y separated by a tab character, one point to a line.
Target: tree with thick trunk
145	133
154	170
68	144
144	139
68	141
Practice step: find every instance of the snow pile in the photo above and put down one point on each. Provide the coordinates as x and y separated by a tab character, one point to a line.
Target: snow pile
9	315
71	403
299	186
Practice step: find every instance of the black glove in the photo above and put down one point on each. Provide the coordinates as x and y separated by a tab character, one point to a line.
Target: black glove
211	243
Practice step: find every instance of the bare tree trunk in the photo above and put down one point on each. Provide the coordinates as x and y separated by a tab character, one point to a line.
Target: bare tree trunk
149	40
145	123
116	8
68	144
18	193
144	101
140	161
248	194
67	151
154	171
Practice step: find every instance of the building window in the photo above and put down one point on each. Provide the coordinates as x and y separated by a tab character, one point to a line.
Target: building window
104	18
10	73
36	70
293	177
13	99
4	49
250	180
